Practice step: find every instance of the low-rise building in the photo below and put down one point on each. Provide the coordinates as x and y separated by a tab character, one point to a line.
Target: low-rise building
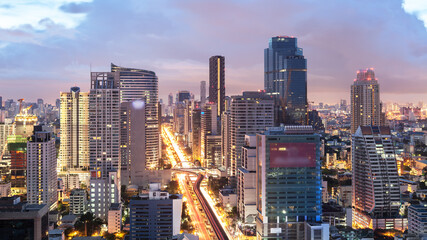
228	198
115	218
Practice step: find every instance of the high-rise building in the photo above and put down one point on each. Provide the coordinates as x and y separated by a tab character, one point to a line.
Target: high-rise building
17	147
417	218
209	127
41	169
104	130
5	131
246	186
170	99
178	117
288	185
226	141
251	113
132	142
376	187
78	201
183	95
196	133
203	92
285	78
365	100
74	116
217	82
155	215
136	84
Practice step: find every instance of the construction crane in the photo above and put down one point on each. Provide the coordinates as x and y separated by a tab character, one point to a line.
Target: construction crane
25	111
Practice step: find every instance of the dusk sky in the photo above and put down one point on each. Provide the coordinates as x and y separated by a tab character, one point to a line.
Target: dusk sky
48	46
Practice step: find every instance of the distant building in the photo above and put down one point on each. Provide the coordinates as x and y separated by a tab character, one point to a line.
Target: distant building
196	133
5	189
115	218
376	187
289	184
155	215
78	202
365	100
41	169
19	220
209	127
226	141
203	92
183	95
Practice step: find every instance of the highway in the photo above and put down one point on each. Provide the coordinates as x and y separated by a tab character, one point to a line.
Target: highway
213	220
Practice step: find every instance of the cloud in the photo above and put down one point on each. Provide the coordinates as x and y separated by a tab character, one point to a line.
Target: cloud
75	7
176	38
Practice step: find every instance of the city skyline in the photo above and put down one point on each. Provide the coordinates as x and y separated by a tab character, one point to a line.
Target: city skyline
31	52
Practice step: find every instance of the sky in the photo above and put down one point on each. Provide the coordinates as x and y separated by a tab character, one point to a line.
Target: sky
48	46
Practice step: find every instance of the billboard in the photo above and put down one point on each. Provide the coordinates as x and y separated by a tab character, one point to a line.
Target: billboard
283	155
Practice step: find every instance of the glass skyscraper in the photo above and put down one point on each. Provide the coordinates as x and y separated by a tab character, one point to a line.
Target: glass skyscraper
285	78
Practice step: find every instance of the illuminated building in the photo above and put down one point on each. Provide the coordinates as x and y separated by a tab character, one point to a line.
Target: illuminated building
17	147
288	185
226	141
196	132
74	116
104	146
376	187
41	169
250	113
136	84
285	78
217	82
24	122
365	100
132	142
209	127
202	92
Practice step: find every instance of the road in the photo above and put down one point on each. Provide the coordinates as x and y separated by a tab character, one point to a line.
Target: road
209	212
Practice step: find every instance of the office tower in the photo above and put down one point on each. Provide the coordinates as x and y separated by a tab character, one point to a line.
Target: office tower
251	113
183	95
74	116
196	122
217	82
213	151
104	147
288	183
226	141
246	186
178	117
365	100
170	99
156	215
78	201
17	147
136	84
209	128
20	220
203	92
41	169
376	188
285	78
132	142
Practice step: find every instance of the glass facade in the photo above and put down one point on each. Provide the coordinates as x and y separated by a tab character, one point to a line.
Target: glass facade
285	78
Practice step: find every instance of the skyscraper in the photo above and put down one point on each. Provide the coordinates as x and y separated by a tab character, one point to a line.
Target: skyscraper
137	84
104	130
196	132
209	127
74	148
251	113
365	100
202	92
132	142
288	185
376	187
285	78
41	169
217	82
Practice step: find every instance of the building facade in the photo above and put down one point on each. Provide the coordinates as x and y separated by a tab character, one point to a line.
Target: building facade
78	202
217	82
365	100
74	116
376	187
288	185
41	169
285	78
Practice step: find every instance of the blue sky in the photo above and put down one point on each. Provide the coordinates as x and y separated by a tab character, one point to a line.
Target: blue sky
47	46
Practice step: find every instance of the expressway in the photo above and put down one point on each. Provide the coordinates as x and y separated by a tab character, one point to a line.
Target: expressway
209	212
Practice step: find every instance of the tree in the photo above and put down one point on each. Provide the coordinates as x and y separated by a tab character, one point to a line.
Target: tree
88	222
172	187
